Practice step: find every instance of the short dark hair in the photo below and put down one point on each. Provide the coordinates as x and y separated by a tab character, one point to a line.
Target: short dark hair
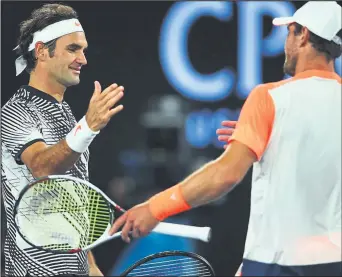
330	49
39	19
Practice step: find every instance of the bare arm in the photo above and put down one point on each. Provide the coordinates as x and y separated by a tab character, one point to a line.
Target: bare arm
207	184
45	160
219	176
93	269
213	180
91	259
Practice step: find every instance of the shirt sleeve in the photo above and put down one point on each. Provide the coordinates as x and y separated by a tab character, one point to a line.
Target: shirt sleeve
19	129
255	123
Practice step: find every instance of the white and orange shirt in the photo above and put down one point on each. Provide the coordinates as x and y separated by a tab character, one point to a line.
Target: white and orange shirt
294	128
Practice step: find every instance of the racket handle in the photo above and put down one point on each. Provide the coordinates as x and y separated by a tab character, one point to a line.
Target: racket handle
180	230
200	233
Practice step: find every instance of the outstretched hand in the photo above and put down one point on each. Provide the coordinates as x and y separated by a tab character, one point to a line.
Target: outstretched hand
137	222
102	105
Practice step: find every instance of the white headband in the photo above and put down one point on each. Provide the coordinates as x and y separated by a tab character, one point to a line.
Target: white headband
49	33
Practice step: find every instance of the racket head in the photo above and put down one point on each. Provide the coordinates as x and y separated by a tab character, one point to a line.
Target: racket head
62	214
171	263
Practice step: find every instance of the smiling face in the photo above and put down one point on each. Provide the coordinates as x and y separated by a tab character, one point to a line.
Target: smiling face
64	65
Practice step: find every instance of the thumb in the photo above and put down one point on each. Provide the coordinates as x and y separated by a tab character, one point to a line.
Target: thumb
97	89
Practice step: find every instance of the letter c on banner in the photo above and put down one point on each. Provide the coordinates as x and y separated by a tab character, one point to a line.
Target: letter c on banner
173	52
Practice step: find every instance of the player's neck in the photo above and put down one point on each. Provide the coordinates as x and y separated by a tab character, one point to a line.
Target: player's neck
45	84
314	63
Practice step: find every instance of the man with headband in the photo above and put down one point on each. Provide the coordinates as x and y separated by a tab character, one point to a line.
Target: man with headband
291	131
40	135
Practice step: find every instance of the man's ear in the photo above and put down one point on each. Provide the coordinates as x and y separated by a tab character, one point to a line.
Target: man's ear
304	36
41	51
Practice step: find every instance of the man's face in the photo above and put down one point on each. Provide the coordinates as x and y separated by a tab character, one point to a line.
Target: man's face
68	58
291	51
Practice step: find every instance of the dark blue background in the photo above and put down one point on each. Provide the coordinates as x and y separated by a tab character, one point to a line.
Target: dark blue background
126	162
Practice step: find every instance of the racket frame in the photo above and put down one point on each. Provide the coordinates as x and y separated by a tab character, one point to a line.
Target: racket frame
168	254
205	231
109	202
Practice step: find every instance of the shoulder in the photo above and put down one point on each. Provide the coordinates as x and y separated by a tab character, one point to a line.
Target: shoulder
264	88
15	106
18	107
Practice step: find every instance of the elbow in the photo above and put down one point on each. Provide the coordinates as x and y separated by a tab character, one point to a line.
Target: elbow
38	175
228	179
233	180
38	172
35	164
38	169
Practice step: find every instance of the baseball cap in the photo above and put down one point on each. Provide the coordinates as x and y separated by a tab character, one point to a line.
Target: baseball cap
323	18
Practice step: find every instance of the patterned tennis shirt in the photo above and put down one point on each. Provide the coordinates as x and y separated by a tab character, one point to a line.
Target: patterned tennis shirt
28	117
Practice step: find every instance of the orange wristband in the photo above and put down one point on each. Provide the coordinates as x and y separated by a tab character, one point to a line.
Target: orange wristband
167	203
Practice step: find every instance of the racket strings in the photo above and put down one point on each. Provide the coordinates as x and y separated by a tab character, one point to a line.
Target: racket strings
47	199
98	216
172	266
70	213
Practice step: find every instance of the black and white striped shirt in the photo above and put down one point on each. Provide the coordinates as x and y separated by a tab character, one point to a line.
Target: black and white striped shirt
30	116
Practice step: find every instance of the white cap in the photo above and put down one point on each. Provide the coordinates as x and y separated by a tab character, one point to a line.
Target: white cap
323	18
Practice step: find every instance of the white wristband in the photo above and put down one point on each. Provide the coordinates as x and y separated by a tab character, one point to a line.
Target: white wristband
80	136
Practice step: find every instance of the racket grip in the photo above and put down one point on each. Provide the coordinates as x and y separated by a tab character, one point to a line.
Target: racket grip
200	233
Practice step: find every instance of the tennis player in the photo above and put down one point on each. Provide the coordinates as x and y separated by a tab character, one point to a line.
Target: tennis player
290	131
39	133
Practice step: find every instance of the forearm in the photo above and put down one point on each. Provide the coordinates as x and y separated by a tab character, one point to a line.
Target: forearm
43	160
93	268
91	259
55	159
207	184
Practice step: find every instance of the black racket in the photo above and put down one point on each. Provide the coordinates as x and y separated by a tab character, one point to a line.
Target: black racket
171	263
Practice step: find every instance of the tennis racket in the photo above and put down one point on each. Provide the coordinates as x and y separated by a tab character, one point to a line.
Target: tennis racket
63	214
171	263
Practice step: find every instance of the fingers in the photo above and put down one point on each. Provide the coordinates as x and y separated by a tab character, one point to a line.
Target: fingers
136	232
224	134
108	90
98	95
114	111
117	224
100	106
229	123
224	138
97	89
113	98
109	100
112	93
125	233
224	131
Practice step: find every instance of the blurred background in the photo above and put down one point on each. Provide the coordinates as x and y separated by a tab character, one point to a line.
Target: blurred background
185	66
